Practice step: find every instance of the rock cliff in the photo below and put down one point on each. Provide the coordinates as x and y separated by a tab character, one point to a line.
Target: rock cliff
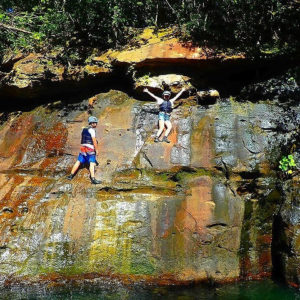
198	209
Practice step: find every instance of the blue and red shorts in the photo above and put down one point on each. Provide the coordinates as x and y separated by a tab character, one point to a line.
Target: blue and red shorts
87	155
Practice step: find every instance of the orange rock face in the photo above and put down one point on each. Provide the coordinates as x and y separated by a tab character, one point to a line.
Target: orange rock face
200	208
139	223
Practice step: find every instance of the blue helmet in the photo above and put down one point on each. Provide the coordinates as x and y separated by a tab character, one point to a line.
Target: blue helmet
92	120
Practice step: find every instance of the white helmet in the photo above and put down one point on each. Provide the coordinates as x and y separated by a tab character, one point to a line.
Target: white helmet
166	93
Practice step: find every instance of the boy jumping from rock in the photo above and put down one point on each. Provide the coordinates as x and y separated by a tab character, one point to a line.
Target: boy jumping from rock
165	109
88	150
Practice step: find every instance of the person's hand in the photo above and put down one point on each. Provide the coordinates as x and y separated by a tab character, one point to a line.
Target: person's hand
145	90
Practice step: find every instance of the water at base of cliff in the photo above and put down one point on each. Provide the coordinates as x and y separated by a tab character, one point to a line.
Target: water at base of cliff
254	290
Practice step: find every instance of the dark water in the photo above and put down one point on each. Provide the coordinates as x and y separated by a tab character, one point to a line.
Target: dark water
266	290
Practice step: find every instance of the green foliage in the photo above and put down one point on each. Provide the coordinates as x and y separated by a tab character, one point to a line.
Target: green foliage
258	27
287	164
251	25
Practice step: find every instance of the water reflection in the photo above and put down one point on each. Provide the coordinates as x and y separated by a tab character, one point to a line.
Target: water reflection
265	290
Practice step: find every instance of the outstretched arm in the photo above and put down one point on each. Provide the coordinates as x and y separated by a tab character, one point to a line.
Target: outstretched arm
158	100
177	96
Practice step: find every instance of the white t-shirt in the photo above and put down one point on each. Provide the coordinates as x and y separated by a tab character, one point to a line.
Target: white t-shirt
93	135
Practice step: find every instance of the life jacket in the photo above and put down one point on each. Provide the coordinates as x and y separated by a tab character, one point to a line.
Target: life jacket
166	107
86	137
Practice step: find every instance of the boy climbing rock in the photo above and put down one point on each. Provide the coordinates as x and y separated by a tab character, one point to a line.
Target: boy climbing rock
165	109
88	150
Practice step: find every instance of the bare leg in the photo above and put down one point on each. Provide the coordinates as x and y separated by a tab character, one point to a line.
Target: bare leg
92	169
161	126
92	173
75	167
169	127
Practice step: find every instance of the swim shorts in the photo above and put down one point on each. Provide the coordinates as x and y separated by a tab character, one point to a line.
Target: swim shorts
163	116
87	158
87	155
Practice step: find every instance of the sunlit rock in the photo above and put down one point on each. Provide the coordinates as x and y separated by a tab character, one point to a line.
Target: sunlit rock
163	49
38	75
158	84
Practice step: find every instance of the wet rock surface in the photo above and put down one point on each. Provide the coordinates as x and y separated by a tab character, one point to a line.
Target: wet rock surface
197	209
286	235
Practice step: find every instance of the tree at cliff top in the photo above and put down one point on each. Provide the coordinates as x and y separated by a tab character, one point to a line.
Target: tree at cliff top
251	25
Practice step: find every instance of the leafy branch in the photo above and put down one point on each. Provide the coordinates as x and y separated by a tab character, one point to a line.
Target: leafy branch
15	28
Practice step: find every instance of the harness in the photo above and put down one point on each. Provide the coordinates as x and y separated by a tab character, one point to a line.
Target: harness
166	107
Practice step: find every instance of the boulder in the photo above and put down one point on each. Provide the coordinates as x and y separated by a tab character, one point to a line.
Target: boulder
158	84
208	97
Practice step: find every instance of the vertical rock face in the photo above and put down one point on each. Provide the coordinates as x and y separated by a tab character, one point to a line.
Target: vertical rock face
186	211
286	234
